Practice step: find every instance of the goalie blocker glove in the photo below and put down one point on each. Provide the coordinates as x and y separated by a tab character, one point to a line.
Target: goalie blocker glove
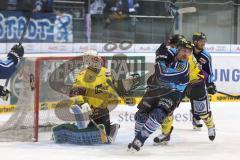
16	53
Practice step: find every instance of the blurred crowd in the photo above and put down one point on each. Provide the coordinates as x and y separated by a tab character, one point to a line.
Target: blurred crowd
92	15
36	5
112	9
43	6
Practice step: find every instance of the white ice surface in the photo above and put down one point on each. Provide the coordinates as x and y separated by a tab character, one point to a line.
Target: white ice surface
185	144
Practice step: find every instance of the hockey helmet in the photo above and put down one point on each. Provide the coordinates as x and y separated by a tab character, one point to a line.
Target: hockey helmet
184	43
198	35
92	59
175	38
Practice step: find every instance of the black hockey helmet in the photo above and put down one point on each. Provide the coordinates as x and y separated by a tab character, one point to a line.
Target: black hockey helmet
175	38
184	43
198	35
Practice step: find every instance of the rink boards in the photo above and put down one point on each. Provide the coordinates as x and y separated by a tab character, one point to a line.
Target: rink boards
226	69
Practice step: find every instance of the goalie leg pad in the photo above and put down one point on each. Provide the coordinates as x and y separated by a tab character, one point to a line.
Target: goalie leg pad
69	133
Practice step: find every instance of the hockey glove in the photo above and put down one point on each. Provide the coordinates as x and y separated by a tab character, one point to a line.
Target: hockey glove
82	114
211	88
161	53
4	93
85	108
16	53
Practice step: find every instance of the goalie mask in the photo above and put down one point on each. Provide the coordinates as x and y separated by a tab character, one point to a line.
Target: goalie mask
92	59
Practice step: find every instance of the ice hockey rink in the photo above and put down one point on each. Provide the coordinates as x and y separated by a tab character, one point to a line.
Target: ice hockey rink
185	144
56	33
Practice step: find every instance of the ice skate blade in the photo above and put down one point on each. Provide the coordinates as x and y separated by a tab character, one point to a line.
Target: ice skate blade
197	128
132	150
163	143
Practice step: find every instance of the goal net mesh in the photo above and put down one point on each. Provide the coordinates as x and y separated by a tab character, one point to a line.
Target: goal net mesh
39	86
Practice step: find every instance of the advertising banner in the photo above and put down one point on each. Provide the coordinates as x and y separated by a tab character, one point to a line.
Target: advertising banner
226	70
42	27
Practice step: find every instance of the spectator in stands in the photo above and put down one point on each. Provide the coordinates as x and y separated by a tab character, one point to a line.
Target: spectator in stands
11	4
25	5
12	1
43	5
130	6
119	9
171	8
97	7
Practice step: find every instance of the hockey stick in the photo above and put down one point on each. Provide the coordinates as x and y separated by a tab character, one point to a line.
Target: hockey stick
25	28
5	98
229	95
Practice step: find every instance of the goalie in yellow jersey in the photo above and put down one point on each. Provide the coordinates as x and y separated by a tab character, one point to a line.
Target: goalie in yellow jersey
91	98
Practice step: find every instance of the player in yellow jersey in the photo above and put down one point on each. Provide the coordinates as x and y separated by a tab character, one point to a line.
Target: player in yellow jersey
198	92
92	97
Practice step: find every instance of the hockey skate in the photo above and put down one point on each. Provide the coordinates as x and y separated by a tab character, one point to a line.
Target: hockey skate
196	125
212	133
135	145
113	132
163	138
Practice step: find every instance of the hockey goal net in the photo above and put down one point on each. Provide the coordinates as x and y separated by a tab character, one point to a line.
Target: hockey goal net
40	87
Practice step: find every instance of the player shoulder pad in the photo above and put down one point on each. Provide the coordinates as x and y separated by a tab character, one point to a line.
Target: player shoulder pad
172	51
206	53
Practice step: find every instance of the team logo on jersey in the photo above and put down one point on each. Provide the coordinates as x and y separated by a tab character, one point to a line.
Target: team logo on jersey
100	88
180	67
199	105
90	78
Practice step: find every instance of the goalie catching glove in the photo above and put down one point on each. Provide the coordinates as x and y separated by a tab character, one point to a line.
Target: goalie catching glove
125	86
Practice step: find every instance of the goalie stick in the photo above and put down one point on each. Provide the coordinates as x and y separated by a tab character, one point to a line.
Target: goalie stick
101	129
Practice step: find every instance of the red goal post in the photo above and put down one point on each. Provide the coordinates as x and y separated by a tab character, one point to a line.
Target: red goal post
38	85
